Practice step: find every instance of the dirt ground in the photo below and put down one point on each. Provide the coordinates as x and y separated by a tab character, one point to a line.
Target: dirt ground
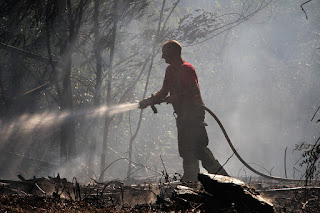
60	195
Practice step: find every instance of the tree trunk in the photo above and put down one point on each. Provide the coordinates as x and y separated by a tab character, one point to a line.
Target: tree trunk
97	93
68	141
104	148
3	101
145	90
109	86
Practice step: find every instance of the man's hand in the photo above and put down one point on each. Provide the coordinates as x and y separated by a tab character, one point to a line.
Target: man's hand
170	99
145	103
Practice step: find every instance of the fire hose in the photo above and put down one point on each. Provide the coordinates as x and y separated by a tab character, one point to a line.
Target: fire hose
232	147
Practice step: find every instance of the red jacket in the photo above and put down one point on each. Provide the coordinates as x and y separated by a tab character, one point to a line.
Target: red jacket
182	82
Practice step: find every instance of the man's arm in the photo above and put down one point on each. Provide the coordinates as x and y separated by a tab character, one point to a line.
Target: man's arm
161	94
158	96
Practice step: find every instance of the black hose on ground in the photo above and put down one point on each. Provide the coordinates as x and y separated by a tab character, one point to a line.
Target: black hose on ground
237	154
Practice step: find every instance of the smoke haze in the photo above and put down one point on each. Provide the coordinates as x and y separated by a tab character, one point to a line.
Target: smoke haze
261	78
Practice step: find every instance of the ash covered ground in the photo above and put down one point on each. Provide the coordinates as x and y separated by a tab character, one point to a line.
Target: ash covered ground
56	194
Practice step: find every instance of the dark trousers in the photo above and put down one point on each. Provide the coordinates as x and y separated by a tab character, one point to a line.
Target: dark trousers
192	144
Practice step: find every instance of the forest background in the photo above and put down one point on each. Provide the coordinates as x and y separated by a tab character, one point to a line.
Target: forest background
60	60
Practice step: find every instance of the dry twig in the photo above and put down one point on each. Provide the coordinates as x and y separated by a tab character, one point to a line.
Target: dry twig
303	9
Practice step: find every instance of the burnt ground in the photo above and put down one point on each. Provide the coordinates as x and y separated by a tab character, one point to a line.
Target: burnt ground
289	197
60	195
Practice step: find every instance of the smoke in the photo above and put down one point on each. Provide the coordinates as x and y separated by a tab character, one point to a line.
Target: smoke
260	78
269	80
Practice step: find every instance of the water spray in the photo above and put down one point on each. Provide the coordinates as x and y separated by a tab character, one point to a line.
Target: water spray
28	123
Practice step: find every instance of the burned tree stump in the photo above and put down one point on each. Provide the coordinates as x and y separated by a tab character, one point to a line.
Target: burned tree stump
232	190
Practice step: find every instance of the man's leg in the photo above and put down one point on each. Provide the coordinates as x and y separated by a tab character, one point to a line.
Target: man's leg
191	169
211	164
186	151
204	154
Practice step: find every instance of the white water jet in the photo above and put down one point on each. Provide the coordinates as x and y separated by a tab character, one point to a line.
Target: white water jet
28	123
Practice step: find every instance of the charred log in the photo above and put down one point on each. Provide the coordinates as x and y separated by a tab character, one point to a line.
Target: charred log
228	189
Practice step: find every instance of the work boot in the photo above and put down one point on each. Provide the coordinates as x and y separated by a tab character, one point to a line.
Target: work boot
189	178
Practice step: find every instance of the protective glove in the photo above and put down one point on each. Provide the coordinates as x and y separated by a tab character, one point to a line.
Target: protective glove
145	103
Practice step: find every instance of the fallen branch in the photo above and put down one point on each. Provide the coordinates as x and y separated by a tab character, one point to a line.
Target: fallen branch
27	54
225	163
315	114
127	160
285	162
166	176
289	189
41	190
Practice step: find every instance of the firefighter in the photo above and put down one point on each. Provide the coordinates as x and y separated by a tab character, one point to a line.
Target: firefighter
181	83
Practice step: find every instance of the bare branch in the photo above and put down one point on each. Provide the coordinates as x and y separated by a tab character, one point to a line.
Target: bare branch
303	9
27	53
